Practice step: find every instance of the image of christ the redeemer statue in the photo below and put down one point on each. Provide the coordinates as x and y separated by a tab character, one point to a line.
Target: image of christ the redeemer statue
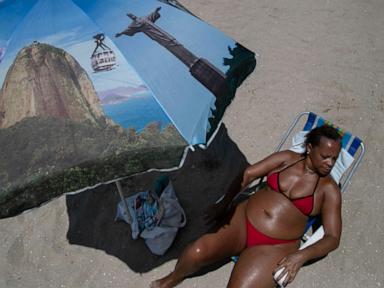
205	72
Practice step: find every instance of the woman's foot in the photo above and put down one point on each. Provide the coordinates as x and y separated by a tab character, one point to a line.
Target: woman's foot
166	282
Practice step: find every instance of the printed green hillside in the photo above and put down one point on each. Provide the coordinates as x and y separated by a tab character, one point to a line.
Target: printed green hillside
43	157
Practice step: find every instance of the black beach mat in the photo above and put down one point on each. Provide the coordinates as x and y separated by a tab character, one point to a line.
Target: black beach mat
204	177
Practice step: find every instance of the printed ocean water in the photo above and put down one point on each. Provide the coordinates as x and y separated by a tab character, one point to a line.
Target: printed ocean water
136	111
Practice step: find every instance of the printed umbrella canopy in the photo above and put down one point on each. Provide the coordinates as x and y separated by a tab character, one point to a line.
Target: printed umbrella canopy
95	90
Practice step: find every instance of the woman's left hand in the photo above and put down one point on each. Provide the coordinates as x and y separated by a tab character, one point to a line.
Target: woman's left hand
291	265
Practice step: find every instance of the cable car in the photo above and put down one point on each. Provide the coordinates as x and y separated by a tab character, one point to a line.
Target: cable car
103	58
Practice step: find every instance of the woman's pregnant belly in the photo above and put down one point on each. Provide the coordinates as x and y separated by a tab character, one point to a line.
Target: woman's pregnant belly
273	214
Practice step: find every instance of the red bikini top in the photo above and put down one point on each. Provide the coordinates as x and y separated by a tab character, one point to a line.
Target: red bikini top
304	204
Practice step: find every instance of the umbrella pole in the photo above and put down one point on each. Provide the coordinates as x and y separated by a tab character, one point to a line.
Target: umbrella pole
120	190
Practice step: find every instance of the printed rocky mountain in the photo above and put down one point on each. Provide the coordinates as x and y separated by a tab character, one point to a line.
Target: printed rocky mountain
47	81
55	138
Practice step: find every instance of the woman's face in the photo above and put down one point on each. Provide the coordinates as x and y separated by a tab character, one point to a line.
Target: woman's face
323	156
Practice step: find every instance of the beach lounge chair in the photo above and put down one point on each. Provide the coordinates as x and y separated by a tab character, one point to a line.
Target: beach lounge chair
349	159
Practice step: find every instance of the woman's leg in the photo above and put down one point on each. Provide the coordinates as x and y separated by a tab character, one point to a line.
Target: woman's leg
255	265
228	241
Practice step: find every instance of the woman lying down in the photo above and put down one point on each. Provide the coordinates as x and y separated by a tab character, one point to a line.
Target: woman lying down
265	230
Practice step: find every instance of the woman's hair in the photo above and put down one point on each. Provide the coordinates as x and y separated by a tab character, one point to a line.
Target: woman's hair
314	136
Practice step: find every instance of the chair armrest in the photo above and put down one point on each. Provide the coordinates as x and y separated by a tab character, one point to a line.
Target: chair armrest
316	236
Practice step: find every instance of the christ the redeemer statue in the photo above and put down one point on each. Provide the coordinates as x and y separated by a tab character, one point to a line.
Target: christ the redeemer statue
211	77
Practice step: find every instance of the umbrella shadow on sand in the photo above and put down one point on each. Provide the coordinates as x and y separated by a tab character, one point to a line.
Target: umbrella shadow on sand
204	177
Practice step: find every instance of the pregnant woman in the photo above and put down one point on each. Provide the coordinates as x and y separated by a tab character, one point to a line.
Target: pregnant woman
265	230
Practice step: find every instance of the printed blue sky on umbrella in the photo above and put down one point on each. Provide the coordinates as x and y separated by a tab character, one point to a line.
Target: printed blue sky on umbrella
126	97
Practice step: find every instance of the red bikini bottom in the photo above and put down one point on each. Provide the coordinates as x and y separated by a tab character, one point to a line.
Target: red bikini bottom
255	237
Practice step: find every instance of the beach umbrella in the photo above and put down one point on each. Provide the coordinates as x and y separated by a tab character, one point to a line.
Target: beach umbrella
94	90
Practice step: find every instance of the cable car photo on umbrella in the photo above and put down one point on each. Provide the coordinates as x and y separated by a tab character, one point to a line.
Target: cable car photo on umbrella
103	58
89	95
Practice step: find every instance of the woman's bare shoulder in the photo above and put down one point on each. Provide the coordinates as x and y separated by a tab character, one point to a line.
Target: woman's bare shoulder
330	187
330	182
289	156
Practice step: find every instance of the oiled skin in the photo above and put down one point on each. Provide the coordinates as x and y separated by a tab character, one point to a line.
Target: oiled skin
273	214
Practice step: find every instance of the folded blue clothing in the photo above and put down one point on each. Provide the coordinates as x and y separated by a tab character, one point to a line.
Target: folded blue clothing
157	220
144	211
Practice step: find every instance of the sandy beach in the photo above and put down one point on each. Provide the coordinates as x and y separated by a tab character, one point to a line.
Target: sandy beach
320	56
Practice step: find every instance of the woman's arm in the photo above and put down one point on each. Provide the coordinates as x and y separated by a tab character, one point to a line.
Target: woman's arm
245	178
267	165
257	170
332	223
331	218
